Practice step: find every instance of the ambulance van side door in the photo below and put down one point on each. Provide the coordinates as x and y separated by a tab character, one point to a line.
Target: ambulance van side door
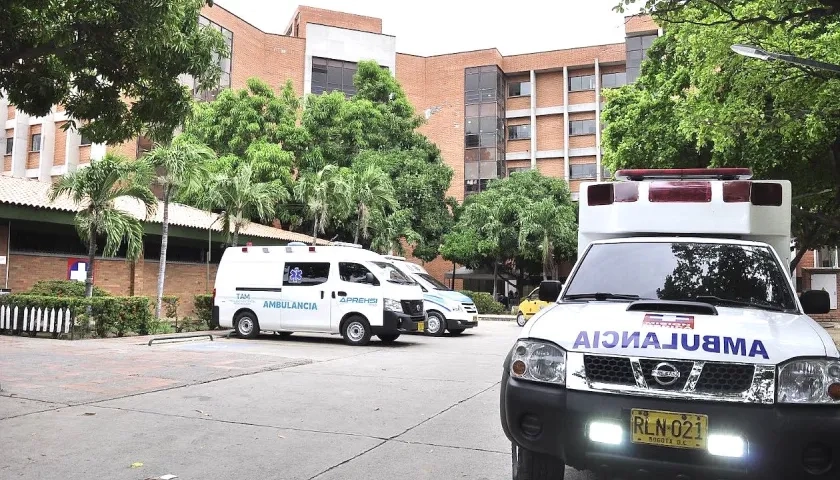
357	291
305	301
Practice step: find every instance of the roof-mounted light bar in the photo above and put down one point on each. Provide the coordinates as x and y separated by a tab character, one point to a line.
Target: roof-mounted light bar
639	174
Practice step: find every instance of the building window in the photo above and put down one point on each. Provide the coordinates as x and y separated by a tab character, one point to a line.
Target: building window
484	127
10	145
613	80
519	132
333	75
35	144
826	257
519	89
637	48
85	141
582	127
224	63
587	170
513	170
583	82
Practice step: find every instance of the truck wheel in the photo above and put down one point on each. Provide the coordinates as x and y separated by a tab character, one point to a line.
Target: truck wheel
246	325
521	320
435	325
389	338
528	465
356	331
456	331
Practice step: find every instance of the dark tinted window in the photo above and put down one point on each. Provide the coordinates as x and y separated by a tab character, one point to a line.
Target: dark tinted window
36	143
636	52
583	82
582	127
519	132
434	281
519	89
10	143
305	274
330	75
613	80
685	271
354	273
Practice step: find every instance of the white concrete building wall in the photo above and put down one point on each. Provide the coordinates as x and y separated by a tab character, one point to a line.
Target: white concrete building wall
348	45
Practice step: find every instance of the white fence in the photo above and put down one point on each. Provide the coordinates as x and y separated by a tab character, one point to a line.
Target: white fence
31	319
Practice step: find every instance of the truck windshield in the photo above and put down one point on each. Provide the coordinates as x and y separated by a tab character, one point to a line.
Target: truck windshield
434	281
393	274
721	274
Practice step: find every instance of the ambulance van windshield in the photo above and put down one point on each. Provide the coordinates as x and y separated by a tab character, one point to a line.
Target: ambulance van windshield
393	274
724	274
433	281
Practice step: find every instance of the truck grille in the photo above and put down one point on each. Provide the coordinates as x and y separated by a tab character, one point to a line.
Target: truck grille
412	307
725	378
715	378
469	307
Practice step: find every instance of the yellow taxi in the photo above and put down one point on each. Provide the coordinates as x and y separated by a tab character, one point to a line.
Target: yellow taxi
529	306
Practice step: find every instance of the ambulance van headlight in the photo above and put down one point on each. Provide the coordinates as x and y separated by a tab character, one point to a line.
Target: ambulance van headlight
538	361
809	382
392	305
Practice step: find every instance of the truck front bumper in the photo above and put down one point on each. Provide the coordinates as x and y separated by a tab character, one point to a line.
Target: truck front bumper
471	321
393	322
782	441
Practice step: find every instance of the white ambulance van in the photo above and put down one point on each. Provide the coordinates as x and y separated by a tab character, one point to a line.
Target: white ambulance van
315	289
678	347
446	309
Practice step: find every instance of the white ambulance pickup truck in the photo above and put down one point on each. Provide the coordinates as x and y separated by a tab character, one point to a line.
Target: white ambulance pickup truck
677	348
342	290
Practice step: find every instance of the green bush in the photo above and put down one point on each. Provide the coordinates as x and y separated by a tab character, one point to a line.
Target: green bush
485	303
203	308
63	288
117	315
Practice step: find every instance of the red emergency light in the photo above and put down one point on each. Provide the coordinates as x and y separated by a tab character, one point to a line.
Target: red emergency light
758	193
684	173
685	192
607	193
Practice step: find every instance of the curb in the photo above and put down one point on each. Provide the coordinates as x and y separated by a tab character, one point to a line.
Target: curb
496	318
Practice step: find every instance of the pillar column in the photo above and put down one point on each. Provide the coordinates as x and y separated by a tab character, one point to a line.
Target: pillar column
533	120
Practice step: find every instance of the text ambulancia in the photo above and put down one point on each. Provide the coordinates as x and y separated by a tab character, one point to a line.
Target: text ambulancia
678	347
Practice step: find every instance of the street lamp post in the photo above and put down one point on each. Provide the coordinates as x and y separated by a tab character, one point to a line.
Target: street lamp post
755	52
210	249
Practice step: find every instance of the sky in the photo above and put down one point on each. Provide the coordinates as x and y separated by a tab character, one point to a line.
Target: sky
422	28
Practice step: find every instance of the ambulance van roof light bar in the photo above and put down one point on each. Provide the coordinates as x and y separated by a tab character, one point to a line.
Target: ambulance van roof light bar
639	174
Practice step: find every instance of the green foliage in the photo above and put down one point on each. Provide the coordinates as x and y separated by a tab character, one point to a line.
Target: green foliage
111	315
371	195
326	195
203	308
485	303
60	53
519	220
739	12
697	103
62	288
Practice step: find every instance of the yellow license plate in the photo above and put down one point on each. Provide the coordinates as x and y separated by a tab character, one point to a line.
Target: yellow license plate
421	326
669	429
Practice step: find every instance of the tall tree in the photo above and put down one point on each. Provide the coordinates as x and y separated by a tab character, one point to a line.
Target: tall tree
241	198
90	56
98	188
371	192
391	230
734	13
181	165
545	223
697	103
326	196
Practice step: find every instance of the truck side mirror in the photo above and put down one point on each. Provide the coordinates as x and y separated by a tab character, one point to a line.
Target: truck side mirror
550	290
369	278
815	302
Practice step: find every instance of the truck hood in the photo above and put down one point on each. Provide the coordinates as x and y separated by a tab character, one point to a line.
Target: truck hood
450	295
402	292
734	335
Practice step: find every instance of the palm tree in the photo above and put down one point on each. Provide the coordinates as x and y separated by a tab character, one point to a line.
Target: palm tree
181	165
551	224
242	199
390	230
98	187
326	195
371	190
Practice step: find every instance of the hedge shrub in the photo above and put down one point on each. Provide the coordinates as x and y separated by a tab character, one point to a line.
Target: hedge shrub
203	308
63	288
117	315
485	303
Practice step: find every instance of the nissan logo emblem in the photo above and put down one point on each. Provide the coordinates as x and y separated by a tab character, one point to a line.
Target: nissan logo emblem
665	374
417	307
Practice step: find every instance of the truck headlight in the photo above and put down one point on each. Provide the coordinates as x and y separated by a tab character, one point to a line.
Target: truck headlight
538	361
809	381
456	307
392	305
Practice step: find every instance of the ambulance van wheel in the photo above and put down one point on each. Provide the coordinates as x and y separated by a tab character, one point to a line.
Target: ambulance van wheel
246	325
521	320
389	338
529	465
435	325
356	331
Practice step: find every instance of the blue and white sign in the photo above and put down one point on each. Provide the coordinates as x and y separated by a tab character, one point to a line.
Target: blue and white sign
295	275
77	269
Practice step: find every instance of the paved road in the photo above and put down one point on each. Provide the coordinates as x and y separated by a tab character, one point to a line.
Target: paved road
302	408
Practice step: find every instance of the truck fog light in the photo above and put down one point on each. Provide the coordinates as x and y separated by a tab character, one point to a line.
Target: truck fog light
602	432
834	391
726	446
519	367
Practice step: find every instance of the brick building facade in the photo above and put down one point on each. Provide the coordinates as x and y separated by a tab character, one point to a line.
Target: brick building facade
489	114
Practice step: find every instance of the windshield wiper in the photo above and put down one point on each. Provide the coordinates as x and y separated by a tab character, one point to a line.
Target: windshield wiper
600	296
737	303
